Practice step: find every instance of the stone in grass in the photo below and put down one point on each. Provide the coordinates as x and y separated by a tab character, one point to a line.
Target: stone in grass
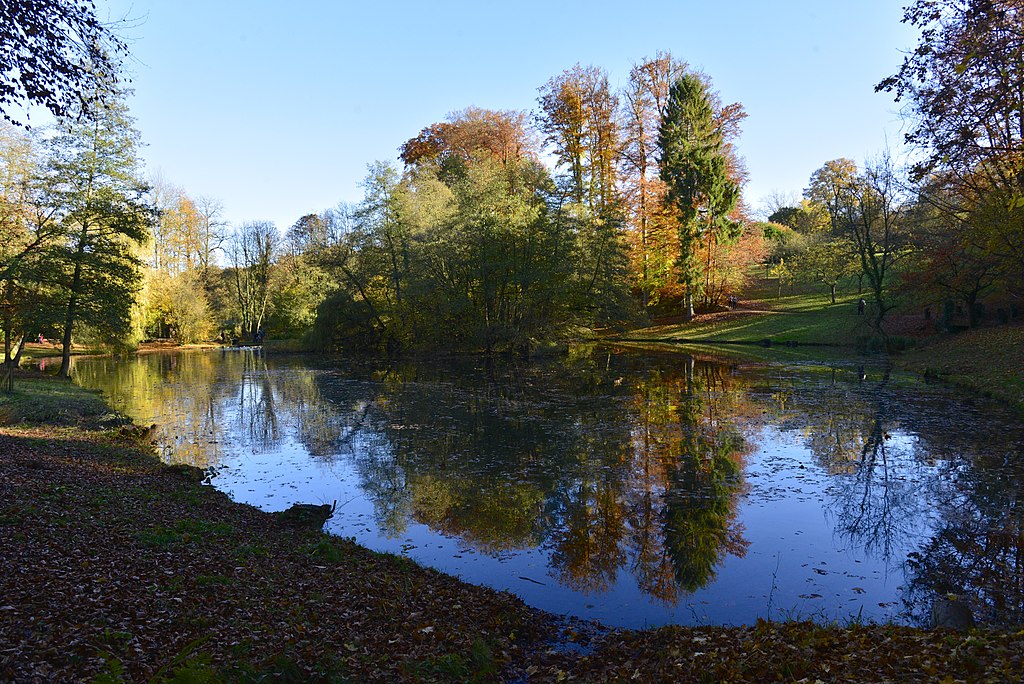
306	516
186	472
951	612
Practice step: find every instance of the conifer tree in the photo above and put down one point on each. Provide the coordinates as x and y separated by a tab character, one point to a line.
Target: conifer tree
694	167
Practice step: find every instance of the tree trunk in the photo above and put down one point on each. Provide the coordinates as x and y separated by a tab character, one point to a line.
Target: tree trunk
971	300
69	320
833	288
21	350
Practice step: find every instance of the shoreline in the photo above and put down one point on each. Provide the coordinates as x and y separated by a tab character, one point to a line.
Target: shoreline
116	563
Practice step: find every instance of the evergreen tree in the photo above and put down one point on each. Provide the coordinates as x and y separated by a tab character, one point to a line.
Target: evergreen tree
695	169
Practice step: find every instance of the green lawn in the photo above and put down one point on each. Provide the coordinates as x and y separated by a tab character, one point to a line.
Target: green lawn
52	401
801	318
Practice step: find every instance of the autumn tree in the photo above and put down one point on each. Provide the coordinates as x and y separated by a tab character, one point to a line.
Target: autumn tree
830	198
695	168
953	258
652	231
180	257
961	87
466	135
833	187
580	122
252	253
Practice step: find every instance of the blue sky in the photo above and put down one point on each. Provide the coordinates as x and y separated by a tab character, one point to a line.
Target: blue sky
277	108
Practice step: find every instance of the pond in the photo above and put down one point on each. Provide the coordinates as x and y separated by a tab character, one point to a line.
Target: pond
638	488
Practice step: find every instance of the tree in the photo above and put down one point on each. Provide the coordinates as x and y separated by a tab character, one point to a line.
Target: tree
828	260
212	230
56	54
578	121
833	187
470	133
695	169
181	304
253	251
20	236
806	218
178	240
652	234
92	184
872	213
954	257
962	85
962	88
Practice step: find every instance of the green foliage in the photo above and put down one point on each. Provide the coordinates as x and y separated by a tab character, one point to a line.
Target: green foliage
479	666
694	167
827	261
326	550
471	255
185	531
91	188
808	218
785	243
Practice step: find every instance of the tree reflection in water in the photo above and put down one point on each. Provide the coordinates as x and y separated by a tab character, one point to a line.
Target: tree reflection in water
620	466
977	549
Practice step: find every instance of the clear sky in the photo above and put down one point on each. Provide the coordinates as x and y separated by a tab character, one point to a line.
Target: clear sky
277	108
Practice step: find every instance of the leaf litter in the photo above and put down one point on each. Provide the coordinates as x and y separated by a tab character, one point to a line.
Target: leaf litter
117	568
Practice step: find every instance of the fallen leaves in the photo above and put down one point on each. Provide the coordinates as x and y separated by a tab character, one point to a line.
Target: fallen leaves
114	566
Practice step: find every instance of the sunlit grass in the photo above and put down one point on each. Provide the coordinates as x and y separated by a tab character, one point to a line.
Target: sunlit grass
49	400
802	319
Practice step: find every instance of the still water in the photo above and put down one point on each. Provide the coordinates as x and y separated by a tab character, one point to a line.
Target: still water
637	488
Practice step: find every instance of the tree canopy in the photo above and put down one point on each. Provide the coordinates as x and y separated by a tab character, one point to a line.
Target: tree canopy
55	54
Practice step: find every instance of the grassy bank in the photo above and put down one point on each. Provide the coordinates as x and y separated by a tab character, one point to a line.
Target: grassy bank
116	568
807	319
986	360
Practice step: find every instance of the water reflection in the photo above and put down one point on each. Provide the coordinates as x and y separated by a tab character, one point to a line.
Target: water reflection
686	489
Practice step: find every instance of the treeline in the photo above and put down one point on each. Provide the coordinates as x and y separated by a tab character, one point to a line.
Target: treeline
943	235
477	243
500	230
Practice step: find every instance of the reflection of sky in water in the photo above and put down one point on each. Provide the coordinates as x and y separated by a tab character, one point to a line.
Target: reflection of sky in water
822	541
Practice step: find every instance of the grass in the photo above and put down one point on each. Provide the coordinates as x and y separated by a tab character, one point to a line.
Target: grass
805	325
805	319
53	401
988	360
